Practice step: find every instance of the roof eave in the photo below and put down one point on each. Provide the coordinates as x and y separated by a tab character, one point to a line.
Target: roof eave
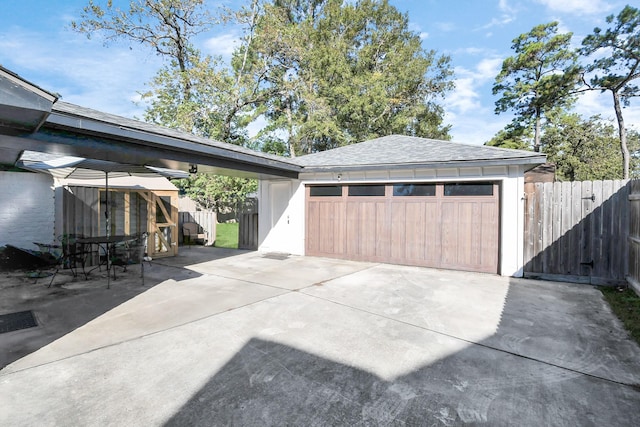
96	128
525	161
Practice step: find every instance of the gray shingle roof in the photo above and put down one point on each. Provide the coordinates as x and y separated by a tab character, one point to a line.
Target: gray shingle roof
137	125
412	151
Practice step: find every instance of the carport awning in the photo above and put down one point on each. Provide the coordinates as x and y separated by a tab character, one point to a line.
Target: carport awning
64	167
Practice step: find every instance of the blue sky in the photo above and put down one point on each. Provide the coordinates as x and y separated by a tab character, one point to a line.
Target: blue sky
37	44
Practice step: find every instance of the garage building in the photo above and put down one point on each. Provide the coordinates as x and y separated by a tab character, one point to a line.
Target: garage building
403	200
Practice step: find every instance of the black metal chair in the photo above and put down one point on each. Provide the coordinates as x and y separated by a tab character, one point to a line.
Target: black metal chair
67	254
130	252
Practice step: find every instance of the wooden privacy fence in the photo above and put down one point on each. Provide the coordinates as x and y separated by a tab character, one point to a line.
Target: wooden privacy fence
248	231
634	235
577	231
205	219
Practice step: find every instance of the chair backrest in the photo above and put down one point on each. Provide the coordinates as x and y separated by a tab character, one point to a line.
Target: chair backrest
191	228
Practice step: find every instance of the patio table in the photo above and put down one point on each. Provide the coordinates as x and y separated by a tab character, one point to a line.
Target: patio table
106	244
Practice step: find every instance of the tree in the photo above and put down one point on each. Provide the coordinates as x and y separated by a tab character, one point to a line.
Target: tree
340	73
216	192
191	93
512	136
166	26
541	76
616	66
582	149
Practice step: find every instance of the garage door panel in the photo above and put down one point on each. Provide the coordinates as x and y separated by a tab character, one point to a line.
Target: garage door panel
449	227
398	231
434	230
313	228
353	230
490	244
383	231
415	231
325	233
368	236
471	228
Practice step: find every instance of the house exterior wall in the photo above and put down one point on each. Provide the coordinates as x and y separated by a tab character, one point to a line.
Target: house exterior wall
27	209
282	205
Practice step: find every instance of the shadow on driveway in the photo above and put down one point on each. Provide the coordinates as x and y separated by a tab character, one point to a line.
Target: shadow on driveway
539	368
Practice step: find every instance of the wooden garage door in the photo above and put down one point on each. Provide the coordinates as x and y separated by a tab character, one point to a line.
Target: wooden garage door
442	225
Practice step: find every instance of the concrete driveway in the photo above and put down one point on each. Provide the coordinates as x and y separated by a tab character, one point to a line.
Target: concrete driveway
242	338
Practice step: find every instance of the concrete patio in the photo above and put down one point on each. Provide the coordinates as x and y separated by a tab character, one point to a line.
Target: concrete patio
223	337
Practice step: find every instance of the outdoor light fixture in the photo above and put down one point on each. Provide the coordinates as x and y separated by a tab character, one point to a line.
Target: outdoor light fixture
193	168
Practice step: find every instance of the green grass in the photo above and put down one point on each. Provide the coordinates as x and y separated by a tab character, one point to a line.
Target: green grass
227	235
626	305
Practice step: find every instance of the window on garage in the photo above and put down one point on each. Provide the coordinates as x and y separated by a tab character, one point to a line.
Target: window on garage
469	189
366	190
325	191
417	190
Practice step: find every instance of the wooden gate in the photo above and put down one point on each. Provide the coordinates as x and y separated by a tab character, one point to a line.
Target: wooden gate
163	223
577	231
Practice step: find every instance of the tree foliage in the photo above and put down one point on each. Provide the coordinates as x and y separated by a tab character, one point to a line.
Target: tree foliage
190	92
512	136
344	72
166	26
217	192
540	76
616	66
582	149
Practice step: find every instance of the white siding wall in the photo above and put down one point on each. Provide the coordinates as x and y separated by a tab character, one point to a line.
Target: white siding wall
282	228
27	209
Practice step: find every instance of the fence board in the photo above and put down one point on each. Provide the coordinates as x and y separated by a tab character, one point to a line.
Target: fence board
586	232
205	219
547	231
578	231
248	231
529	192
607	220
634	236
576	214
557	258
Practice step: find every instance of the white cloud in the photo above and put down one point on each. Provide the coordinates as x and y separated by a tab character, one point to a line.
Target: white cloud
577	7
497	22
505	7
222	45
472	120
596	102
488	69
445	27
475	129
507	14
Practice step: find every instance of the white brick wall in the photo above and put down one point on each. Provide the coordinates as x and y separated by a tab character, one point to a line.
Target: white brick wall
27	209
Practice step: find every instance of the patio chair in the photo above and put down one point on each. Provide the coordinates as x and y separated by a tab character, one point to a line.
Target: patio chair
193	233
131	252
68	254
